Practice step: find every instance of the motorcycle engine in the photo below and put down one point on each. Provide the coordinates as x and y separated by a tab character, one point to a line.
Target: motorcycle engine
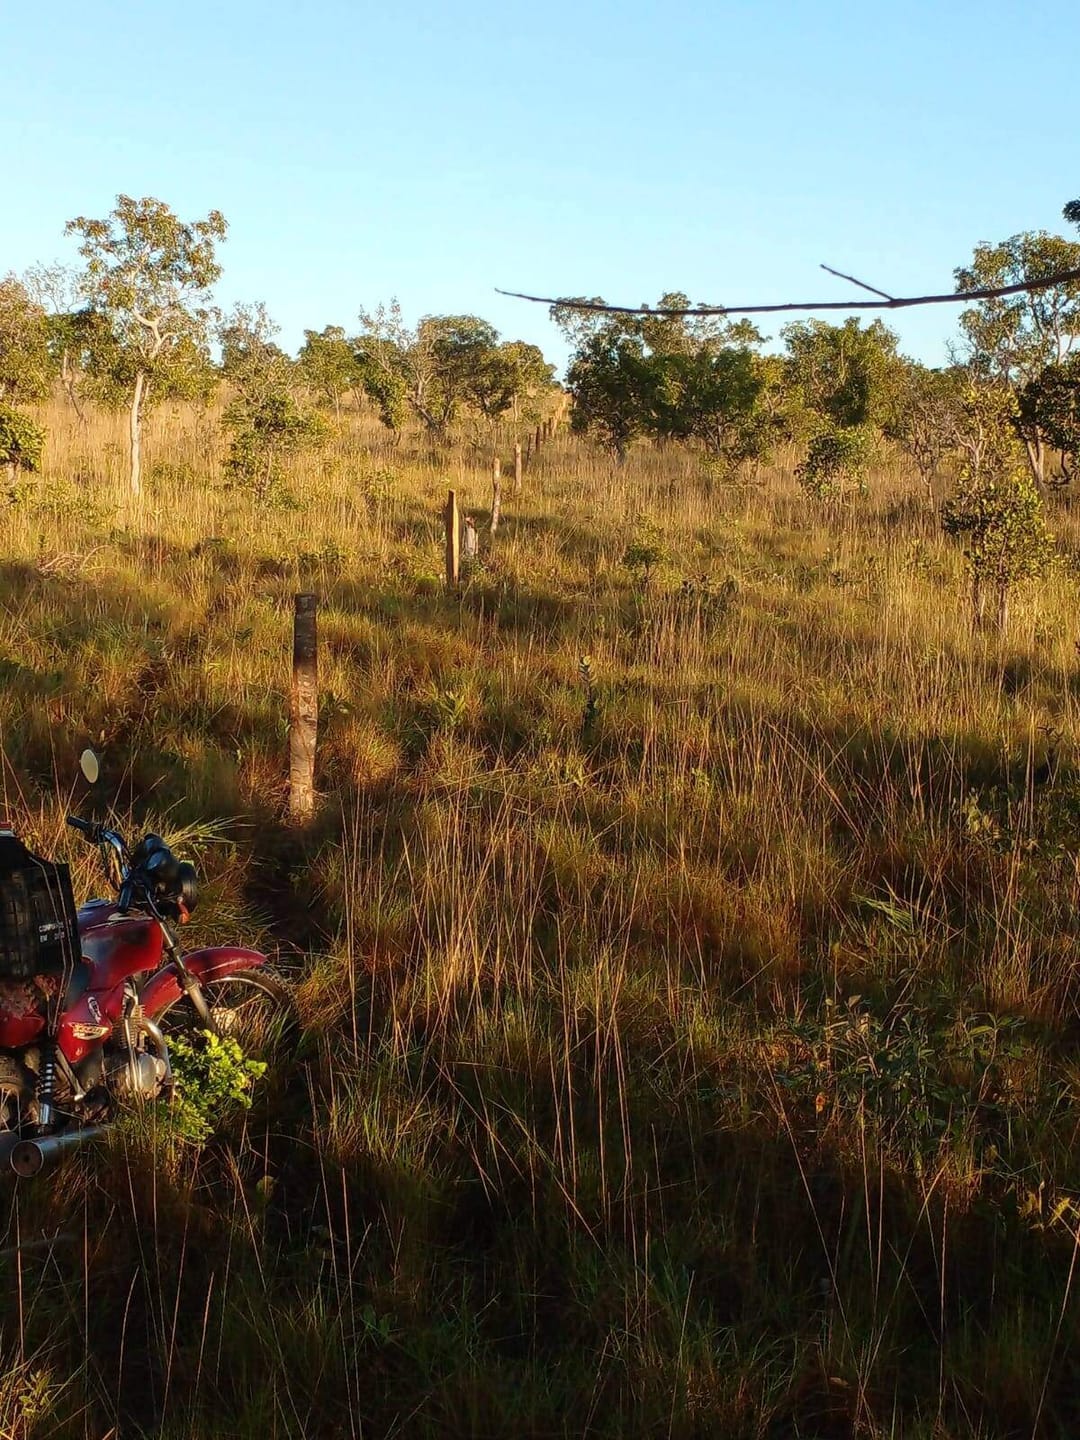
134	1074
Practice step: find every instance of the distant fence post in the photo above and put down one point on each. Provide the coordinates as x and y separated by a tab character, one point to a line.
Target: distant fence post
303	708
517	466
496	493
539	440
453	539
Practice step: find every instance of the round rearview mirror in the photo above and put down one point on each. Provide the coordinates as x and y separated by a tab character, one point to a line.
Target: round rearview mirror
88	764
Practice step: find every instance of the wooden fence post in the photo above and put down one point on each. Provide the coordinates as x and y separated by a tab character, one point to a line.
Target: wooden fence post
517	466
496	493
303	708
539	440
453	539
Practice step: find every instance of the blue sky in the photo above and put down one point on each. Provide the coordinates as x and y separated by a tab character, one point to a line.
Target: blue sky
433	152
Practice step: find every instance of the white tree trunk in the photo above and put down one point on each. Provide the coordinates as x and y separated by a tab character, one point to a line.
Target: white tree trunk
1036	455
136	435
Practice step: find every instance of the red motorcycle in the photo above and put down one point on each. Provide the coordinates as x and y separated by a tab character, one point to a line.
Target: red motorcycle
89	997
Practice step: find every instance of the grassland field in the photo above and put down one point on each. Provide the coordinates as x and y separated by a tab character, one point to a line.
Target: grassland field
688	965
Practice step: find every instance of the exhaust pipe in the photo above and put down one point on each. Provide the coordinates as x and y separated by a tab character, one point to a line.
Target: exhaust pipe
29	1157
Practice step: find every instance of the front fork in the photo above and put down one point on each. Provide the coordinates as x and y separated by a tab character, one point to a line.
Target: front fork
189	985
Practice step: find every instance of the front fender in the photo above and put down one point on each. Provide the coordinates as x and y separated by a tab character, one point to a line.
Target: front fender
164	989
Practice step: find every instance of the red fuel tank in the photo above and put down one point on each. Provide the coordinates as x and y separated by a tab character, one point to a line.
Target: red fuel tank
114	946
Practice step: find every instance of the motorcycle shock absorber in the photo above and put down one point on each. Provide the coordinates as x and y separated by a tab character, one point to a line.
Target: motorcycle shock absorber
132	1010
46	1084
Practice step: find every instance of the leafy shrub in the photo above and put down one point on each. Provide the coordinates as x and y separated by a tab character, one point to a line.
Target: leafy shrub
1000	521
62	501
646	550
707	598
379	483
211	1075
996	510
920	1079
22	441
180	474
836	462
264	430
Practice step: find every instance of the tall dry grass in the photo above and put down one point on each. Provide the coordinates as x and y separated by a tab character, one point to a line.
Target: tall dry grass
688	1035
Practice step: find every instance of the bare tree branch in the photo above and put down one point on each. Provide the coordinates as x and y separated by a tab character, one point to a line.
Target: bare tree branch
953	297
860	283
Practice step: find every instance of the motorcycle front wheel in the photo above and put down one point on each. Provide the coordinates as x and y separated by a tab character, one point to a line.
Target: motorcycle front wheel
252	1007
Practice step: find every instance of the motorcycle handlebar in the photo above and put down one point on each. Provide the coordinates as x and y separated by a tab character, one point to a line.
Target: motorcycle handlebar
88	828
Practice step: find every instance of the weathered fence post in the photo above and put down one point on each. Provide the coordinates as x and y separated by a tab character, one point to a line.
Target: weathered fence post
517	466
496	493
453	539
303	708
470	542
539	440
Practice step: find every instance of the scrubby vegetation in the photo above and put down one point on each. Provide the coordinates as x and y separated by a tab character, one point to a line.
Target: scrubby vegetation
685	944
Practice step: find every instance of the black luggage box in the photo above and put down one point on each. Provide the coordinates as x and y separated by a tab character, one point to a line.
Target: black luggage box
39	932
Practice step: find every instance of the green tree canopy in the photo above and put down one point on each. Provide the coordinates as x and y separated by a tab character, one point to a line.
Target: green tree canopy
613	385
25	362
845	374
22	442
445	364
671	377
328	364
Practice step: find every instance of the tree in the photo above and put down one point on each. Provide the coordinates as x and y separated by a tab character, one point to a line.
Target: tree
264	420
715	396
400	368
384	383
842	381
328	364
1012	338
25	363
1049	406
996	509
923	418
846	374
673	377
57	289
446	363
613	387
505	377
148	277
25	372
578	326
